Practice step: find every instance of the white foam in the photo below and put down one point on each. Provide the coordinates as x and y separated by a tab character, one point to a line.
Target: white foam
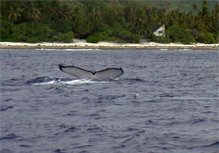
46	49
72	82
73	49
45	83
80	49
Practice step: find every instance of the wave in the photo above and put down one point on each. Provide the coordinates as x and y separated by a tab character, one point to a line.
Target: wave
5	108
192	98
45	80
211	144
81	49
10	136
134	80
73	49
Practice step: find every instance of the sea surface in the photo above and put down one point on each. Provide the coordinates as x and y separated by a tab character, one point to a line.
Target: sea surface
165	102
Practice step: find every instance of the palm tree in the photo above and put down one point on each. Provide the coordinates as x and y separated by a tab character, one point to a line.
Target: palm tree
204	15
76	17
139	21
95	15
34	14
14	13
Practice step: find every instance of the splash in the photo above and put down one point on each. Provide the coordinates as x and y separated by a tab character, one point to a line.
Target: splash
60	81
73	82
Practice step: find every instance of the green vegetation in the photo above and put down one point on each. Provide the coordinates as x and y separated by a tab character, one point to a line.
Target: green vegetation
109	20
92	39
176	33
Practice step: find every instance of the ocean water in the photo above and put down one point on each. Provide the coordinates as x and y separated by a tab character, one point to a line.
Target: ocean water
165	102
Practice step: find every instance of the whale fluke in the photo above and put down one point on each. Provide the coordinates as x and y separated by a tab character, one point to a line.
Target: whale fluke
106	74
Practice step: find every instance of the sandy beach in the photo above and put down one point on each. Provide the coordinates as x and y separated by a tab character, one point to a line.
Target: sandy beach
81	44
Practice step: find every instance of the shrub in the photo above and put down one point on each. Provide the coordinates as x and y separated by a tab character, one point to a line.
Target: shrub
29	32
93	39
5	30
104	35
209	38
33	39
62	25
64	37
177	33
20	32
160	39
39	33
125	35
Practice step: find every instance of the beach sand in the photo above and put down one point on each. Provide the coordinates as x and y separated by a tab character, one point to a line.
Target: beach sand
81	44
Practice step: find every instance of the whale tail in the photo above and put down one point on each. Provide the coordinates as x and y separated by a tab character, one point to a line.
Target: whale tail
106	74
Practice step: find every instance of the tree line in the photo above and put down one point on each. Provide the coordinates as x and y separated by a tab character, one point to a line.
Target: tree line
106	20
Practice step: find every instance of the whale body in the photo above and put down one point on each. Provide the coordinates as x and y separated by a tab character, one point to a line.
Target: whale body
79	73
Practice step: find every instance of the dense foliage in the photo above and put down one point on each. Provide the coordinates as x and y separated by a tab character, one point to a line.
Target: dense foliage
107	20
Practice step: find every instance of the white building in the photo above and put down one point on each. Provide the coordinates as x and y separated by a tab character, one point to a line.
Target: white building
160	31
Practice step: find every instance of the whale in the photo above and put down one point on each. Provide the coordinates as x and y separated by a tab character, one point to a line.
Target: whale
80	73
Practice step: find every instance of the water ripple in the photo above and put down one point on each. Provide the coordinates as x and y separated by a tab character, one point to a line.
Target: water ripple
166	102
5	108
10	136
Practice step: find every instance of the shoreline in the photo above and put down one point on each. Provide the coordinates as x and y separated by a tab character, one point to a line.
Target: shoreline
105	45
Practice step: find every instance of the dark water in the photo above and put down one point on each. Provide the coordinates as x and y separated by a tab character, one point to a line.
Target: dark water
166	102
